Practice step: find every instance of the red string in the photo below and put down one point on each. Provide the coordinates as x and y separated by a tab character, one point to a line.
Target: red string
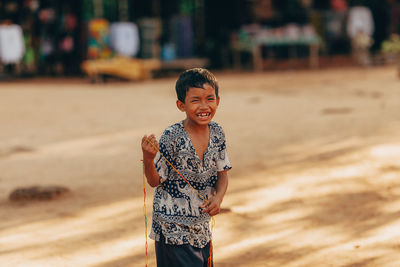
145	215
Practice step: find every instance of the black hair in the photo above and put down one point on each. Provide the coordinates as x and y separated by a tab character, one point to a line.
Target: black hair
196	77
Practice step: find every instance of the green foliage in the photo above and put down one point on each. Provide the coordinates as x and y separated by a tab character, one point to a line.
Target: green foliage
392	45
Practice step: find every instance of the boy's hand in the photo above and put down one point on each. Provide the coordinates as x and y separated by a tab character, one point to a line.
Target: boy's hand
149	151
213	206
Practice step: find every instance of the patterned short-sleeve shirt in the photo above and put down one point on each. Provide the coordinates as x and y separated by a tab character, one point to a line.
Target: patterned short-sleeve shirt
176	206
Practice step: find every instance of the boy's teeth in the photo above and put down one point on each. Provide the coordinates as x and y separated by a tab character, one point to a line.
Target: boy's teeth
203	114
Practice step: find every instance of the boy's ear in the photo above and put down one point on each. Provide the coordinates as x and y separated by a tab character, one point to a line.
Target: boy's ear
180	105
217	100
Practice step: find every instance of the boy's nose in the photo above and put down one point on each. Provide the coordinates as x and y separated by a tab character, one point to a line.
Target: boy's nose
203	104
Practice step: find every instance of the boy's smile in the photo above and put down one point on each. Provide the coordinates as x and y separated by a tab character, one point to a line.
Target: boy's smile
200	105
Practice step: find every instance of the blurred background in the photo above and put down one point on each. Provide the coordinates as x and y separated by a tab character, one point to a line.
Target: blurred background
54	38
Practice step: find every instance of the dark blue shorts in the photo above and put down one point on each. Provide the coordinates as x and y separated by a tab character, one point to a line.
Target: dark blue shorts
181	255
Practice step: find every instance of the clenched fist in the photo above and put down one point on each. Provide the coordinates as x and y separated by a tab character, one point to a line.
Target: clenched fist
149	147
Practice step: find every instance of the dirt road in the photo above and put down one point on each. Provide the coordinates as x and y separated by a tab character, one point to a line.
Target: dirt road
315	179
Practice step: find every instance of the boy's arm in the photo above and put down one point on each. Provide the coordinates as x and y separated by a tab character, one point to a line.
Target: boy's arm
213	206
149	153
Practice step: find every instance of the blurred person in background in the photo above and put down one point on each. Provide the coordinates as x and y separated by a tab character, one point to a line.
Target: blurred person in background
394	16
67	42
380	10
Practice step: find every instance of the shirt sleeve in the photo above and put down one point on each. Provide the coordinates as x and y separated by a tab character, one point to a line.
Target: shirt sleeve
223	163
166	150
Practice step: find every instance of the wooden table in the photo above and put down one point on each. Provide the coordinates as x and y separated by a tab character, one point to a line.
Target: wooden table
254	46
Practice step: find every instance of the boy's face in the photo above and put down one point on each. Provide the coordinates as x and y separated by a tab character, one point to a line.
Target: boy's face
200	104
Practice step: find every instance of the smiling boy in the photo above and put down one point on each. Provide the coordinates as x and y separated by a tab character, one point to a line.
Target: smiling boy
196	147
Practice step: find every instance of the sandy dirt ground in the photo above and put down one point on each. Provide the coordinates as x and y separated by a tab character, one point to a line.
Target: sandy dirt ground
316	177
